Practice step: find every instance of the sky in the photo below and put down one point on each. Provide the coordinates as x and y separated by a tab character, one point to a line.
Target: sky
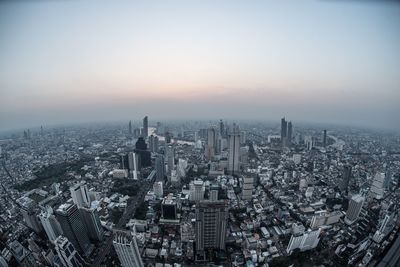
328	61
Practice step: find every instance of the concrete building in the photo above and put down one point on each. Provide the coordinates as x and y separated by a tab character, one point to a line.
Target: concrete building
50	224
127	249
73	226
93	225
234	150
305	241
68	255
197	190
23	256
355	206
80	195
158	189
247	187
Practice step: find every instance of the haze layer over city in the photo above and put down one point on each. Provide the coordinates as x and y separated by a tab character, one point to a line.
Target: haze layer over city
199	133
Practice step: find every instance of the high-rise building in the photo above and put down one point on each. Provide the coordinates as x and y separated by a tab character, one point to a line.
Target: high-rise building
355	206
127	249
133	165
93	225
153	143
234	150
145	127
130	130
211	222
67	253
197	190
377	187
158	189
283	131
324	139
73	226
222	129
160	168
30	213
289	133
169	208
144	154
247	187
211	145
170	158
50	224
80	195
305	241
346	176
214	189
22	255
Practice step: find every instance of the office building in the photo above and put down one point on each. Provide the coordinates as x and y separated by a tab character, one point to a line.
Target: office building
130	130
377	187
211	222
80	195
145	127
23	256
283	131
160	168
50	224
94	228
127	249
305	241
234	150
133	165
324	139
247	187
211	146
29	211
355	206
67	254
169	208
73	226
289	133
214	189
153	143
325	218
158	189
170	158
346	176
197	190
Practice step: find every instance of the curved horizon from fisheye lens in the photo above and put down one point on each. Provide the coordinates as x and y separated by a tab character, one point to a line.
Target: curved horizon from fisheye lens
317	61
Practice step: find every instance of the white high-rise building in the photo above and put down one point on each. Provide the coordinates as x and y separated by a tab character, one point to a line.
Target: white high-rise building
67	254
197	190
355	206
234	150
133	165
50	224
305	241
127	249
170	158
181	168
80	195
377	187
158	189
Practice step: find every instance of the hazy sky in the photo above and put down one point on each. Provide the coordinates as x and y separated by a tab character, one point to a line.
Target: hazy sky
80	60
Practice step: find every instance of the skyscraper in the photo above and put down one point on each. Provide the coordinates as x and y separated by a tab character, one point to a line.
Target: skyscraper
170	158
158	189
93	225
197	191
153	143
50	224
160	168
211	221
133	165
130	131
80	195
211	145
30	212
145	127
346	176
67	253
324	139
234	150
73	226
289	134
222	129
355	206
247	187
283	131
127	249
144	154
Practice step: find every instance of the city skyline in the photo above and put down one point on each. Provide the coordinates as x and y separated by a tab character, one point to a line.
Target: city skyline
321	61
